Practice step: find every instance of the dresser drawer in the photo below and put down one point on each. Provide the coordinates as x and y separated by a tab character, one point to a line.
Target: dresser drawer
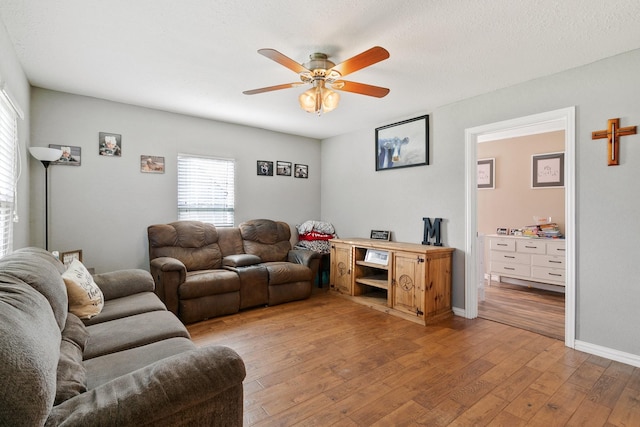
510	257
503	245
531	247
510	269
556	248
548	274
548	261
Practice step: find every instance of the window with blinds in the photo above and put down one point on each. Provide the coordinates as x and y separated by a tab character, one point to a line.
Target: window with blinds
206	189
8	167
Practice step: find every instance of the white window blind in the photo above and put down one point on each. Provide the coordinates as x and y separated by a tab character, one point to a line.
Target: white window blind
8	172
206	189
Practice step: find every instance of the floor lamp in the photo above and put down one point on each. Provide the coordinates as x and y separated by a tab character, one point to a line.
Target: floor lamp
46	156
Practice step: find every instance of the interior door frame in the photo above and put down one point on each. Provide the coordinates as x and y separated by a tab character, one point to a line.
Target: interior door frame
560	119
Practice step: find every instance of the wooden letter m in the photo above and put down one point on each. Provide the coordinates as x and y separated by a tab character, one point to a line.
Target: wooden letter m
432	231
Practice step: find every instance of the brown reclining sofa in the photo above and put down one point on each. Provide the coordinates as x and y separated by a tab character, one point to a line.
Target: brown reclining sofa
202	271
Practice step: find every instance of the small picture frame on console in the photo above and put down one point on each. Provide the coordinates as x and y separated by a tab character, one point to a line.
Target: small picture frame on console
380	235
68	257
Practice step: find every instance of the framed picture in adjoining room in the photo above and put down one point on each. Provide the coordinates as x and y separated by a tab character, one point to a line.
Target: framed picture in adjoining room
547	170
151	164
265	168
70	155
486	174
403	144
283	168
301	171
110	144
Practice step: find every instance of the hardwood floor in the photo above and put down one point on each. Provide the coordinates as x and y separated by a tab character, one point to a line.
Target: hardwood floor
329	361
535	310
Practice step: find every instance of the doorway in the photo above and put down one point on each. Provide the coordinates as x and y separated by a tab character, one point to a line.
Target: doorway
563	119
510	205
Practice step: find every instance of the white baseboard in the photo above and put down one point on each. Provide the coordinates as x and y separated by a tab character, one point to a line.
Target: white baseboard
609	353
459	311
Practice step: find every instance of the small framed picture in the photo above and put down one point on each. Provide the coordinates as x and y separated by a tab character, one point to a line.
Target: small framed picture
68	257
486	174
110	144
70	155
380	235
376	256
301	171
151	164
265	168
547	170
283	168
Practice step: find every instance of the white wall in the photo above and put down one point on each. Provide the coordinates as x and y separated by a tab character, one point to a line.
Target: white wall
18	86
104	206
356	198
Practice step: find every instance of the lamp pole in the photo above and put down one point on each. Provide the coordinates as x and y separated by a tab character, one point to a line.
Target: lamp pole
46	203
46	156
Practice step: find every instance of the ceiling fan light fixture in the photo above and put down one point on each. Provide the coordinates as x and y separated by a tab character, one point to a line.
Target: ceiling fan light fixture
307	100
330	100
319	99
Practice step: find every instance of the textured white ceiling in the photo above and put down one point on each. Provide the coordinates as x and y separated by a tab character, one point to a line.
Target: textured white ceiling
197	56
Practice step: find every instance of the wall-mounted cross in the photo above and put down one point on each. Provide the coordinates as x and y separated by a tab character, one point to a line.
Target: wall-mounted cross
613	133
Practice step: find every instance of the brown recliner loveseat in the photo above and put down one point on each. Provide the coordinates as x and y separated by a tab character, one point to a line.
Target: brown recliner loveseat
202	271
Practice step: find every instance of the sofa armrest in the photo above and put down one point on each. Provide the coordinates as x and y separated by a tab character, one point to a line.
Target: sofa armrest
306	257
202	386
168	274
122	283
303	256
240	260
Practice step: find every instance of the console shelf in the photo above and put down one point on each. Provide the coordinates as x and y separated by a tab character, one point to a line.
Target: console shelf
379	281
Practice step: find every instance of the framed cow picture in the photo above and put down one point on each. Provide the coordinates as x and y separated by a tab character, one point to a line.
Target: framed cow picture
403	144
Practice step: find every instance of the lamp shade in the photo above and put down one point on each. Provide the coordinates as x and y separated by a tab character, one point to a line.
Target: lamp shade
318	99
45	154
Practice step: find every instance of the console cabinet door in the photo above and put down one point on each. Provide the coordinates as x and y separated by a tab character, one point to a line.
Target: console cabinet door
437	298
341	268
408	283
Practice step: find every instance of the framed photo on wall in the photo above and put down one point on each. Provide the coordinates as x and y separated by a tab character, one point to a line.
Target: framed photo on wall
151	164
547	170
301	171
265	168
403	144
283	168
70	155
486	174
110	144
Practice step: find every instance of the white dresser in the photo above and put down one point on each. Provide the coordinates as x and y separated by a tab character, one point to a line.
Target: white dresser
525	258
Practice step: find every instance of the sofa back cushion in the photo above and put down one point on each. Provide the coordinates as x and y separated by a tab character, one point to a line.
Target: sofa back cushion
194	243
29	353
71	377
270	240
230	241
40	270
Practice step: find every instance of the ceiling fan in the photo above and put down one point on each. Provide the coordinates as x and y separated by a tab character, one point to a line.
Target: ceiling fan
324	75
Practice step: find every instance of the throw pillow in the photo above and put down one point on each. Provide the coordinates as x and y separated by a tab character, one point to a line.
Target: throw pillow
85	297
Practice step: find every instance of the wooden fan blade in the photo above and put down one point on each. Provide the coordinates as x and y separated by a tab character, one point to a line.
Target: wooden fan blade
283	60
360	88
358	62
272	88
